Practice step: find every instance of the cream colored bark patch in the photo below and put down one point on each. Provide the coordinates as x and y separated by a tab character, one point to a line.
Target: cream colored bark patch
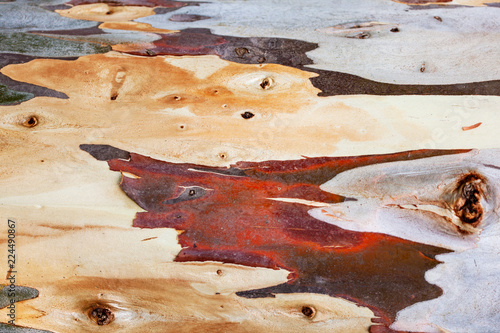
158	305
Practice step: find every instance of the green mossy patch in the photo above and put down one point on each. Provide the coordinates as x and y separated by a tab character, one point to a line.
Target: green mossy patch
25	43
9	97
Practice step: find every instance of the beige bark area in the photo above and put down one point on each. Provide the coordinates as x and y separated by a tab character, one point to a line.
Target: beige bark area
102	12
163	305
82	261
188	109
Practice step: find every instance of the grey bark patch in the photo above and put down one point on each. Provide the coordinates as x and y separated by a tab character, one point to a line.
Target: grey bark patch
76	32
4	328
105	152
56	7
436	6
20	293
187	18
163	10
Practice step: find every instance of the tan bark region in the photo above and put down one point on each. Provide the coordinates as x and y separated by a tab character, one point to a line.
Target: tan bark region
209	111
163	305
83	263
102	12
187	114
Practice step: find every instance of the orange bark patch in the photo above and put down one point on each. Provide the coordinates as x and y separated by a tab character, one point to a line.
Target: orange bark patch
217	110
102	12
467	128
160	83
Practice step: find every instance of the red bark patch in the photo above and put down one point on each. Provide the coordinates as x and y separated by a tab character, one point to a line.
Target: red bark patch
228	215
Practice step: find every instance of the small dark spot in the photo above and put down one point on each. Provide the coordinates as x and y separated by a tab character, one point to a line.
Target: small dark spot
31	121
468	206
363	35
42	161
217	293
247	115
422	68
308	311
241	51
177	98
195	246
438	18
219	272
222	155
216	92
192	192
181	127
266	83
224	106
108	12
150	52
395	29
101	316
261	60
178	216
222	306
114	97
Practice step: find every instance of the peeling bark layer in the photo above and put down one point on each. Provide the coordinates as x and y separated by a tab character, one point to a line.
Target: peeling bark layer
381	236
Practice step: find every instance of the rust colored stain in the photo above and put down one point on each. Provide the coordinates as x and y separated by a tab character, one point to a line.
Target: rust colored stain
229	215
467	128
